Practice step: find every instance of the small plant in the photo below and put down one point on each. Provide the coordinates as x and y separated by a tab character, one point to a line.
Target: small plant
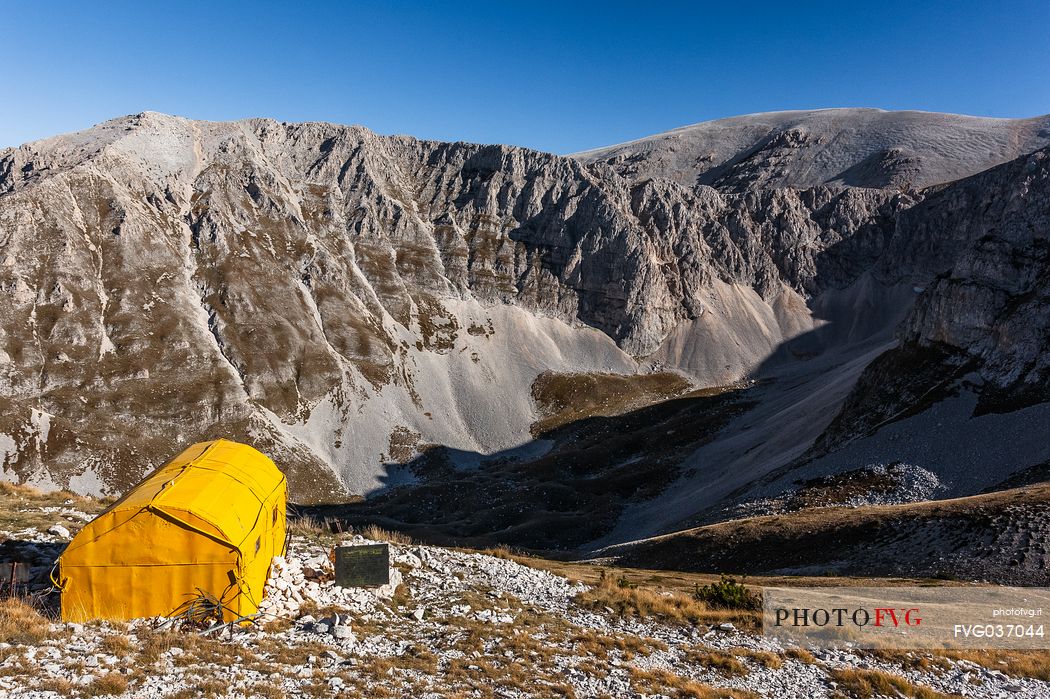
727	593
624	584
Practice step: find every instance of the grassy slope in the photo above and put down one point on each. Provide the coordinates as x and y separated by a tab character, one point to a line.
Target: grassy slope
859	536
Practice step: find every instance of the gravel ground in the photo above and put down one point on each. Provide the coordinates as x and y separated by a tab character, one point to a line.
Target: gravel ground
449	623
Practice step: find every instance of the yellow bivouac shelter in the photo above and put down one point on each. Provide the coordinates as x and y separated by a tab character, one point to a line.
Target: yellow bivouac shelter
210	520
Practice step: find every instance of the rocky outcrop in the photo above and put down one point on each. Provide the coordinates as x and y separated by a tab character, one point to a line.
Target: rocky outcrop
983	319
993	303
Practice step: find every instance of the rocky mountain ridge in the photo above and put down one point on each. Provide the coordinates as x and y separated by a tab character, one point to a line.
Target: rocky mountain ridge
836	147
347	300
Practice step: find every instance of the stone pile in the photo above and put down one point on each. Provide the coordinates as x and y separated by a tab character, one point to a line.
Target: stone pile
308	577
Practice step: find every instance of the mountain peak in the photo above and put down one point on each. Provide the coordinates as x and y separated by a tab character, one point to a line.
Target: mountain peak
860	147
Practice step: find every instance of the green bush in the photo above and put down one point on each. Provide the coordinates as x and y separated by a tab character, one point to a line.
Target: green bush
727	593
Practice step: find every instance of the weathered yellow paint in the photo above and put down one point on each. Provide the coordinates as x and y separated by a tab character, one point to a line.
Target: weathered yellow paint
212	519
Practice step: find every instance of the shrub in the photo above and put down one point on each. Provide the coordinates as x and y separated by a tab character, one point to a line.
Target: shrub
727	593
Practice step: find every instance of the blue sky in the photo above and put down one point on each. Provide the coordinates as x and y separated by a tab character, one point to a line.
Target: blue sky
558	76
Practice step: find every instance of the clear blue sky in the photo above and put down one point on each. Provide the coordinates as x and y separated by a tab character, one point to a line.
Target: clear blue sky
558	76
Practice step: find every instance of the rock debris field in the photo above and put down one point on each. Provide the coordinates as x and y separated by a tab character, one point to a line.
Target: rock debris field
450	623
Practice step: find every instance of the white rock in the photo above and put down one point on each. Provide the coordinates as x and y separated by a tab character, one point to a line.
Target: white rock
343	633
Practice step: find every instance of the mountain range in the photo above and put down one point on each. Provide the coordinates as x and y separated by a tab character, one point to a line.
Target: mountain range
492	344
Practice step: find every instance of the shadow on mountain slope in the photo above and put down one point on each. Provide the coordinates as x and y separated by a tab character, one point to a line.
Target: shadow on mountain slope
568	496
606	443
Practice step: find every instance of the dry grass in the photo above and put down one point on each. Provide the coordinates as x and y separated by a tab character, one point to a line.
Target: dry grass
1034	664
106	685
762	657
154	642
312	608
271	650
204	649
61	687
769	541
416	659
20	507
275	651
402	597
536	641
504	552
867	684
278	625
309	528
267	691
566	398
800	654
625	600
717	660
21	623
597	645
55	498
19	490
117	645
377	533
686	582
628	599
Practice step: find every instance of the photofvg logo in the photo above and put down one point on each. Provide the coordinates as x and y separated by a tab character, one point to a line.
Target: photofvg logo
845	616
908	617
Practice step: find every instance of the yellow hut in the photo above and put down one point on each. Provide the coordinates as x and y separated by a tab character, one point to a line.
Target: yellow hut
210	520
